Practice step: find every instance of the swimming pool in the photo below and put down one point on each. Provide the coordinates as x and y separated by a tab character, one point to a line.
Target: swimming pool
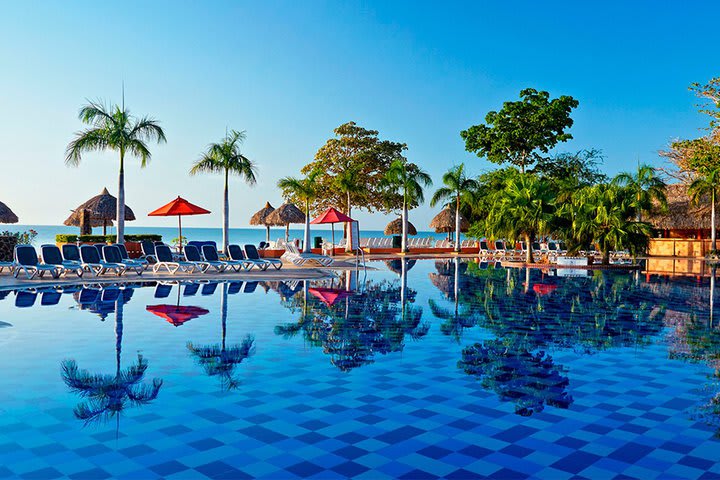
417	370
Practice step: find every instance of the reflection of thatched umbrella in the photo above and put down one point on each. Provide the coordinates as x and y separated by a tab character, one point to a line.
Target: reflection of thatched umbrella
286	214
103	210
444	222
7	215
396	265
395	228
260	218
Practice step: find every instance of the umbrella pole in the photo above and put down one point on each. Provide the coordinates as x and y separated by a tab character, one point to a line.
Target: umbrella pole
332	227
180	239
287	232
104	227
267	234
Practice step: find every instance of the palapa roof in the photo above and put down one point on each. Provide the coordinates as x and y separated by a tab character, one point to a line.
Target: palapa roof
103	210
7	215
261	215
682	213
396	265
285	214
444	222
395	228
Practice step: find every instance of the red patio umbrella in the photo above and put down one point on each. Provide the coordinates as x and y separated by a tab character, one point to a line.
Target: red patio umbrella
176	314
544	288
178	207
329	295
332	216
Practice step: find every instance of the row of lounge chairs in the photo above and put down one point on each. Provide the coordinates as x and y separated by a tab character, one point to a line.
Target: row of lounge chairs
100	259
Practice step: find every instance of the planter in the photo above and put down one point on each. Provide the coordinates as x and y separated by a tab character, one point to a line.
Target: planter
7	248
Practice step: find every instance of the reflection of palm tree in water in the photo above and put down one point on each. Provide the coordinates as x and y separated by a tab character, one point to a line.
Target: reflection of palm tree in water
108	395
219	359
456	321
530	380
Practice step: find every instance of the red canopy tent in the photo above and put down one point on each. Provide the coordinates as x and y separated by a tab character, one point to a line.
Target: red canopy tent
544	288
332	216
329	295
178	207
176	314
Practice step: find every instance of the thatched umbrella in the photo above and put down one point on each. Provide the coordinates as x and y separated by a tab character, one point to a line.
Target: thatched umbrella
285	214
7	215
395	228
444	222
103	210
681	213
260	218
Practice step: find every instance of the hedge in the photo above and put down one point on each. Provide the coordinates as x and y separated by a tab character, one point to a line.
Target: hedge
64	238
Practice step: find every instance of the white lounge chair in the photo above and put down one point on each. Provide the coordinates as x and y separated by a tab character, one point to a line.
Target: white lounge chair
300	259
251	253
26	260
91	262
165	259
237	255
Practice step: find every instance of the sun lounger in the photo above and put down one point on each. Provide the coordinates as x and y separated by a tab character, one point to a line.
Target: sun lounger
26	260
251	253
209	288
191	289
500	248
71	253
112	255
124	255
165	259
148	251
25	298
237	255
211	255
234	288
162	290
292	254
51	256
192	255
250	287
50	297
91	261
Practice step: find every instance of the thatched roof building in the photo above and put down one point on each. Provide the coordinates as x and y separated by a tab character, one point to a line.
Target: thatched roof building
103	210
260	218
444	222
7	215
395	228
683	218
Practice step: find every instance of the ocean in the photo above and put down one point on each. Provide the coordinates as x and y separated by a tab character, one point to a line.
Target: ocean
46	233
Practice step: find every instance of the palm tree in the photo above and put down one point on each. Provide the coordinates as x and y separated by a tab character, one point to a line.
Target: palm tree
348	183
458	187
523	209
703	186
410	179
219	359
113	128
108	395
305	190
225	158
645	186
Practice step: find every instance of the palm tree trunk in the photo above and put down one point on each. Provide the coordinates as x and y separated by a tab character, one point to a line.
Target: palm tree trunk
404	226
121	200
457	224
306	237
529	251
226	215
223	311
713	234
118	332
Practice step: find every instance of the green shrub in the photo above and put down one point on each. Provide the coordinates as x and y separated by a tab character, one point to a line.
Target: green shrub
64	238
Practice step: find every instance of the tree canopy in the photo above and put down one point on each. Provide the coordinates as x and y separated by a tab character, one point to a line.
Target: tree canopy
361	154
522	128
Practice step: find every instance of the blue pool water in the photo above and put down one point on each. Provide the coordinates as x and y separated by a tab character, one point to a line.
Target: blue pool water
459	371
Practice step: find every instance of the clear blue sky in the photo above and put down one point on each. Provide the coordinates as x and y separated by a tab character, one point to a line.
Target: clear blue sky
290	72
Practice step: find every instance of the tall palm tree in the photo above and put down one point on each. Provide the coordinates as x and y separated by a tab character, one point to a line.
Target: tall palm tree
458	187
702	187
305	190
349	182
113	128
108	395
524	208
410	179
225	158
645	186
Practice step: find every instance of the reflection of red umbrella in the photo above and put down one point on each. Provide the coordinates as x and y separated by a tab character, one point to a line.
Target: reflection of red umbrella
332	216
329	295
178	207
176	314
544	288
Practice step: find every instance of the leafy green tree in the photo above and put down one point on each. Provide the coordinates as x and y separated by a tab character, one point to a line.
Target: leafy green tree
306	190
458	189
521	129
704	186
711	93
113	128
225	158
572	169
604	214
409	179
645	186
523	209
361	153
